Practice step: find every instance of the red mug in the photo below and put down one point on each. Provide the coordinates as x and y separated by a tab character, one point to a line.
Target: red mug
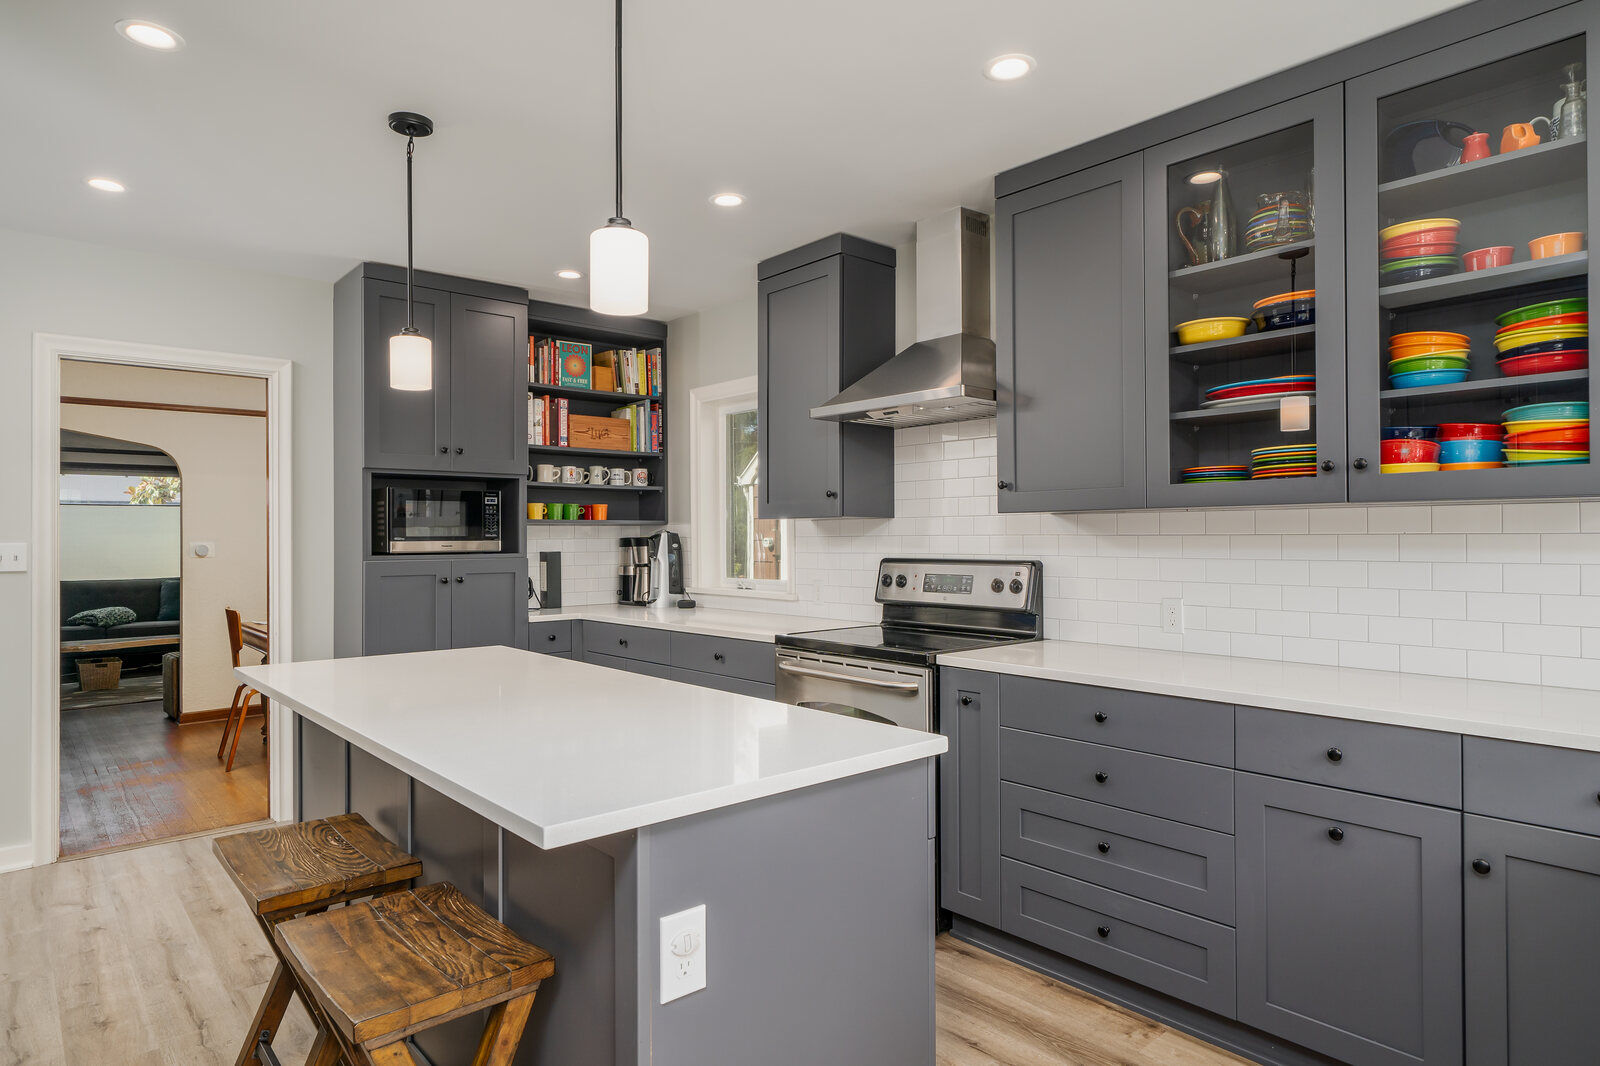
1475	147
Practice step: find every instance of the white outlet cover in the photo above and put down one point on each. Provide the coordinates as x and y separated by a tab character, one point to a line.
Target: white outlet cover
13	557
683	953
203	549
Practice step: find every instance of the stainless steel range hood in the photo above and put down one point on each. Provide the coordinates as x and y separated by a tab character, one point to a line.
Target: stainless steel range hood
948	374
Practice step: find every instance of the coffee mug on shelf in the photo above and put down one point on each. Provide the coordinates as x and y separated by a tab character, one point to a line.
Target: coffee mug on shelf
547	473
536	511
620	476
573	475
569	511
598	474
597	511
641	477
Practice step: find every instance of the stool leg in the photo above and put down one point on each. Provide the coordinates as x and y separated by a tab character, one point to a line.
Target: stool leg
324	1051
270	1014
396	1054
503	1031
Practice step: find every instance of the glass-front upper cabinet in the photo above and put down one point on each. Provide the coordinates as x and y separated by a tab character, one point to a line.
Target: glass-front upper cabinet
1471	178
1244	249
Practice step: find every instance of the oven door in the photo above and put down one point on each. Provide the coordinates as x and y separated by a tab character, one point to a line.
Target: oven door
860	688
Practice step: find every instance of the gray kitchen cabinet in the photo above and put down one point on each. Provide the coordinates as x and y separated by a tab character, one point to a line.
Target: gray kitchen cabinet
488	601
433	602
969	795
723	683
1349	922
550	638
1070	342
405	430
488	386
825	318
632	666
1533	941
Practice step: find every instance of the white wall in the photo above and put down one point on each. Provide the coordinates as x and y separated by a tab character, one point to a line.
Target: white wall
117	540
58	286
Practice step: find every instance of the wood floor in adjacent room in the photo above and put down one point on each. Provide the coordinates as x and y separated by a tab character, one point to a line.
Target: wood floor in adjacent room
148	957
129	775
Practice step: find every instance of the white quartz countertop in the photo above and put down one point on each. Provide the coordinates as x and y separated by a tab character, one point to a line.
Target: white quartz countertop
560	752
1537	714
707	621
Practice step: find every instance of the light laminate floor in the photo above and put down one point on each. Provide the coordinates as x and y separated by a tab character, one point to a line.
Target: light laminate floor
147	957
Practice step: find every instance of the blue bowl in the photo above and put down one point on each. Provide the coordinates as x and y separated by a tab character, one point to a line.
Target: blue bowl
1472	451
1545	412
1410	432
1546	347
1421	273
1419	378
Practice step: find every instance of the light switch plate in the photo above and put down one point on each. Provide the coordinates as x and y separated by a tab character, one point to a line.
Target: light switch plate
683	953
13	557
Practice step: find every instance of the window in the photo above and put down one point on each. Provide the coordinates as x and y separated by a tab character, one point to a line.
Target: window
735	550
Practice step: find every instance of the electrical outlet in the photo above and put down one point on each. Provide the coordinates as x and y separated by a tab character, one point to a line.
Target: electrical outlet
683	953
1172	616
13	557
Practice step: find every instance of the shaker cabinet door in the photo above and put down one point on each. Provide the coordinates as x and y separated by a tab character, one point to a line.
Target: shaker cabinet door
1069	342
969	795
406	430
488	386
1533	944
407	605
1349	912
488	601
799	350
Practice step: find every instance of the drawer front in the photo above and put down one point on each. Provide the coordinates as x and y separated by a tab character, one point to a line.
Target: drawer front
1160	725
1384	760
1176	865
632	666
749	659
552	638
1555	787
723	684
628	642
1188	792
1178	954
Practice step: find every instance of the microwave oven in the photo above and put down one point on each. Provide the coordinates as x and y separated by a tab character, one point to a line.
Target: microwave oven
417	517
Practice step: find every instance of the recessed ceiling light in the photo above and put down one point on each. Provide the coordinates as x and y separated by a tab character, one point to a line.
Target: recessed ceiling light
1205	177
569	274
727	199
150	34
107	185
1008	67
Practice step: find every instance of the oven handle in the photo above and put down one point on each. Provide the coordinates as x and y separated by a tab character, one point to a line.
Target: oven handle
901	686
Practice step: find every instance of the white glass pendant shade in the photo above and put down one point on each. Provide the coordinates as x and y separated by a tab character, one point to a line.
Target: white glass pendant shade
1294	414
410	362
619	270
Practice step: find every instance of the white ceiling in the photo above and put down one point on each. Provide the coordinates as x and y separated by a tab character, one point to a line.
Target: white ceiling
263	142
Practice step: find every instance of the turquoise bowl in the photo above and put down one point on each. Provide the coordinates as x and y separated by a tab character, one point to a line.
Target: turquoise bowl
1543	412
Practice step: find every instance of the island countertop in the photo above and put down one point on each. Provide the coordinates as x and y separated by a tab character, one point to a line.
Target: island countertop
561	752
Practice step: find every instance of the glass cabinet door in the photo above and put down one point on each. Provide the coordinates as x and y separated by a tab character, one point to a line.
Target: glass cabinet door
1471	188
1244	238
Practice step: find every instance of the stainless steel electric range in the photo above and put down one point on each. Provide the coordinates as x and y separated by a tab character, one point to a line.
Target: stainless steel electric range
887	672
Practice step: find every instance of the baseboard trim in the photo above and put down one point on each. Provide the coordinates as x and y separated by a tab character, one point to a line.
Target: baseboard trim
16	857
215	714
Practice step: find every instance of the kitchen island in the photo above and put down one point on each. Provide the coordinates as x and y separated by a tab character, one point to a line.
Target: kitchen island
582	804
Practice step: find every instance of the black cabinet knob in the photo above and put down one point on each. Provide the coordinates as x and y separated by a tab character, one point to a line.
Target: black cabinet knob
459	580
1327	466
1335	755
1335	834
716	656
444	581
1004	485
460	450
550	636
1103	930
1360	464
831	494
1100	716
1480	866
966	701
622	642
1101	776
1103	847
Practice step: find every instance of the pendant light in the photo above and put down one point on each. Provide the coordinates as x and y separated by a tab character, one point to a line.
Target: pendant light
410	353
619	255
1294	412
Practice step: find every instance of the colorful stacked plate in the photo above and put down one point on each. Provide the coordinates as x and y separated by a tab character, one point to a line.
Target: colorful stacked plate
1544	338
1417	250
1526	313
1428	358
1284	310
1255	389
1275	225
1543	434
1284	460
1195	474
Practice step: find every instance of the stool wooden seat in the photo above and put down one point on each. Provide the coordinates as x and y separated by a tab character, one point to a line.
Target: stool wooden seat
386	969
289	870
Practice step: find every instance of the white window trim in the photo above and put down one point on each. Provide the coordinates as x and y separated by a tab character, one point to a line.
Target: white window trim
708	402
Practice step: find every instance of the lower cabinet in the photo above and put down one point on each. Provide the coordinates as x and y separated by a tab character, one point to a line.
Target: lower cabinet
425	604
550	638
969	795
633	666
743	687
1533	944
1349	921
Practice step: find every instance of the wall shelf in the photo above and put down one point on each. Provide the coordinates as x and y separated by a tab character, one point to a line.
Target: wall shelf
597	395
1514	173
537	487
1250	346
555	449
1244	412
1247	268
1466	390
1478	282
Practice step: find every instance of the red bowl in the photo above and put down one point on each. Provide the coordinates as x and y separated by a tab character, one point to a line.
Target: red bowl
1548	363
1483	258
1435	248
1471	431
1421	236
1567	436
1409	451
1547	446
1576	318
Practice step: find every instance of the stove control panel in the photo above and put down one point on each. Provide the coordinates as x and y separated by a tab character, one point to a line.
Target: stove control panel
1005	584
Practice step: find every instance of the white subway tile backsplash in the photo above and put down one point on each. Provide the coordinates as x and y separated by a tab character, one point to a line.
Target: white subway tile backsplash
1508	591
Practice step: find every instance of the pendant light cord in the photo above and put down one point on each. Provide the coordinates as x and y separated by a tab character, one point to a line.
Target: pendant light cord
619	216
411	322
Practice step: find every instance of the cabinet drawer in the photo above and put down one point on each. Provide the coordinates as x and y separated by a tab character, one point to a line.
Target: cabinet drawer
1161	725
725	684
553	638
1164	862
1178	954
628	642
1188	792
749	659
632	666
1384	760
1557	787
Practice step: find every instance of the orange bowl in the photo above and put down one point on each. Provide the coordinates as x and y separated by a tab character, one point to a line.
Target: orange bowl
1555	244
1453	340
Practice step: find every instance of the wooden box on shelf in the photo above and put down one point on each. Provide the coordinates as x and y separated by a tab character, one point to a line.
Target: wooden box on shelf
612	434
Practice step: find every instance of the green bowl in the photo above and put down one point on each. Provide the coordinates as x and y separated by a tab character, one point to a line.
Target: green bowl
1417	261
1428	362
1569	306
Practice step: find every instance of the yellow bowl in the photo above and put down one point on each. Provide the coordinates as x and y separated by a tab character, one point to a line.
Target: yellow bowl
1508	341
1210	329
1537	425
1407	468
1400	229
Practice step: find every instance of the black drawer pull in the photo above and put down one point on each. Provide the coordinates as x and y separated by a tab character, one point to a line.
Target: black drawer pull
444	449
1100	716
1481	866
550	636
831	494
1101	776
460	450
1335	834
622	642
1103	930
444	581
716	656
1103	846
1335	754
966	701
460	580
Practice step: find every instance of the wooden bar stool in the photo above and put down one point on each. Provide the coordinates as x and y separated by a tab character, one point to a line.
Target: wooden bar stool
386	969
306	868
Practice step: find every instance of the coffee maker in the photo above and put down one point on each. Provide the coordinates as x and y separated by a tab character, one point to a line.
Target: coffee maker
635	584
666	564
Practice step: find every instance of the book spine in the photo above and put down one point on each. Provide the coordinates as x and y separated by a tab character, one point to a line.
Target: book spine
563	438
